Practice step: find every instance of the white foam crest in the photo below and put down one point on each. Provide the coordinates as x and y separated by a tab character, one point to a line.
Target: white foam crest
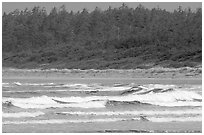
104	89
76	86
159	86
176	119
174	104
34	84
94	104
166	87
48	102
17	83
104	120
82	99
170	99
6	85
170	96
61	121
31	91
38	84
123	88
91	87
113	113
22	114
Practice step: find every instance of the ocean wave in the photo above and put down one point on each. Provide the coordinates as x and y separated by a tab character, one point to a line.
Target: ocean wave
152	94
61	121
135	113
17	83
6	85
34	84
48	102
33	91
105	88
22	114
84	86
176	119
7	103
169	98
116	87
104	120
56	85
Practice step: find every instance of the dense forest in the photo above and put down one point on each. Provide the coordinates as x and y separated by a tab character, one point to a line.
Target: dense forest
119	38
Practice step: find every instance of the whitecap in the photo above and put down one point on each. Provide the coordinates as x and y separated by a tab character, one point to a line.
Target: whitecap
18	83
169	98
136	113
176	119
48	102
61	121
104	120
22	114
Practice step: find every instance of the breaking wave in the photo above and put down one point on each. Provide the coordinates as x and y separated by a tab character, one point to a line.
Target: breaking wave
152	94
5	85
170	99
176	119
136	113
76	87
50	102
34	84
33	91
21	114
61	121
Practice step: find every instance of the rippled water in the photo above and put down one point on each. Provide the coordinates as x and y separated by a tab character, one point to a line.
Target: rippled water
57	103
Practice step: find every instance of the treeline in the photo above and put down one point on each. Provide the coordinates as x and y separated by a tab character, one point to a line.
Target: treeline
115	38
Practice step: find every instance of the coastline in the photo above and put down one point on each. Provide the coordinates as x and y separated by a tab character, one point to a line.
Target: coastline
157	72
183	75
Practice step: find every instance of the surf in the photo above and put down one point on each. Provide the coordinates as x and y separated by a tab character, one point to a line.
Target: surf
22	114
169	98
62	121
136	113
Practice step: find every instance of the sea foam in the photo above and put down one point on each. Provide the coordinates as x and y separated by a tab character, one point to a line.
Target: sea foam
22	114
136	113
104	120
160	95
61	121
50	102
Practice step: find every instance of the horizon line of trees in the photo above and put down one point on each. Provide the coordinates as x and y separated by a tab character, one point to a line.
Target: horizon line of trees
122	32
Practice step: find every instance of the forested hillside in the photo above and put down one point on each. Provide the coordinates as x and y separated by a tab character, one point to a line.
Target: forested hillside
114	38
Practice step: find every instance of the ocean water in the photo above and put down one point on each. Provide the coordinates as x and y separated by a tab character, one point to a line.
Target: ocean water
54	103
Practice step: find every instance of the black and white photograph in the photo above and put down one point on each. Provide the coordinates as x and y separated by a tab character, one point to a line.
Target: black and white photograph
101	67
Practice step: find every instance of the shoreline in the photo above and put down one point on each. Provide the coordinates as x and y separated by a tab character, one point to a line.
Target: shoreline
159	72
183	75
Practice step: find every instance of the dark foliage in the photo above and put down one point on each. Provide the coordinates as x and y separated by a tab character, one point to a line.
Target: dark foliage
116	38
